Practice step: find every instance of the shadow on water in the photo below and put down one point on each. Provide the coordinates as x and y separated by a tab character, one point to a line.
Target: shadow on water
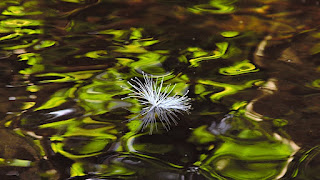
250	67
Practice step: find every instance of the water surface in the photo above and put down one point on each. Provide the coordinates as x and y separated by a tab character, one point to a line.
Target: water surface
251	68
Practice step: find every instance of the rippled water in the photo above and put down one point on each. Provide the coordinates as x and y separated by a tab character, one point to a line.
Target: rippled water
252	68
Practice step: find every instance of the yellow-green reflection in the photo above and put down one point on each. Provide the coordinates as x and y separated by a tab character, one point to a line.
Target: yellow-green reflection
215	7
96	54
316	83
10	36
201	136
229	34
137	46
148	59
99	93
261	160
74	1
19	11
239	105
247	150
34	60
66	77
239	68
134	125
138	42
118	35
98	97
279	122
131	48
93	140
17	23
229	89
15	162
44	44
316	47
118	170
20	28
77	169
19	31
221	50
25	44
57	99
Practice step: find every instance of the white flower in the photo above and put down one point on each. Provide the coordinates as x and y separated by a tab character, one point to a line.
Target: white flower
158	104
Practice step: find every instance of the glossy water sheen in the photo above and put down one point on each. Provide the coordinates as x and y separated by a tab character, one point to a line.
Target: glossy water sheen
252	68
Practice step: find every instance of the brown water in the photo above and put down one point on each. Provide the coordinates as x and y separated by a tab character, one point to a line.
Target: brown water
252	68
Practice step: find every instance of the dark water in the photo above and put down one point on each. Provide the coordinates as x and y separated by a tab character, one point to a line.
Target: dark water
252	68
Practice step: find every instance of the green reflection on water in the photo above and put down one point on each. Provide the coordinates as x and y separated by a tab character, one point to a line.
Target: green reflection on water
316	83
215	7
34	60
201	136
74	1
252	153
316	47
77	169
19	11
239	68
229	33
98	97
22	46
229	89
57	67
137	44
17	23
91	140
221	50
15	162
261	160
10	36
96	54
44	44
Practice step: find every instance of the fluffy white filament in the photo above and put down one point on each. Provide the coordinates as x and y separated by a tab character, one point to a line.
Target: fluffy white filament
158	104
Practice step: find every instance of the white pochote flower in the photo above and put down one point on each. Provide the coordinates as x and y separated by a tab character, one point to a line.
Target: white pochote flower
157	102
